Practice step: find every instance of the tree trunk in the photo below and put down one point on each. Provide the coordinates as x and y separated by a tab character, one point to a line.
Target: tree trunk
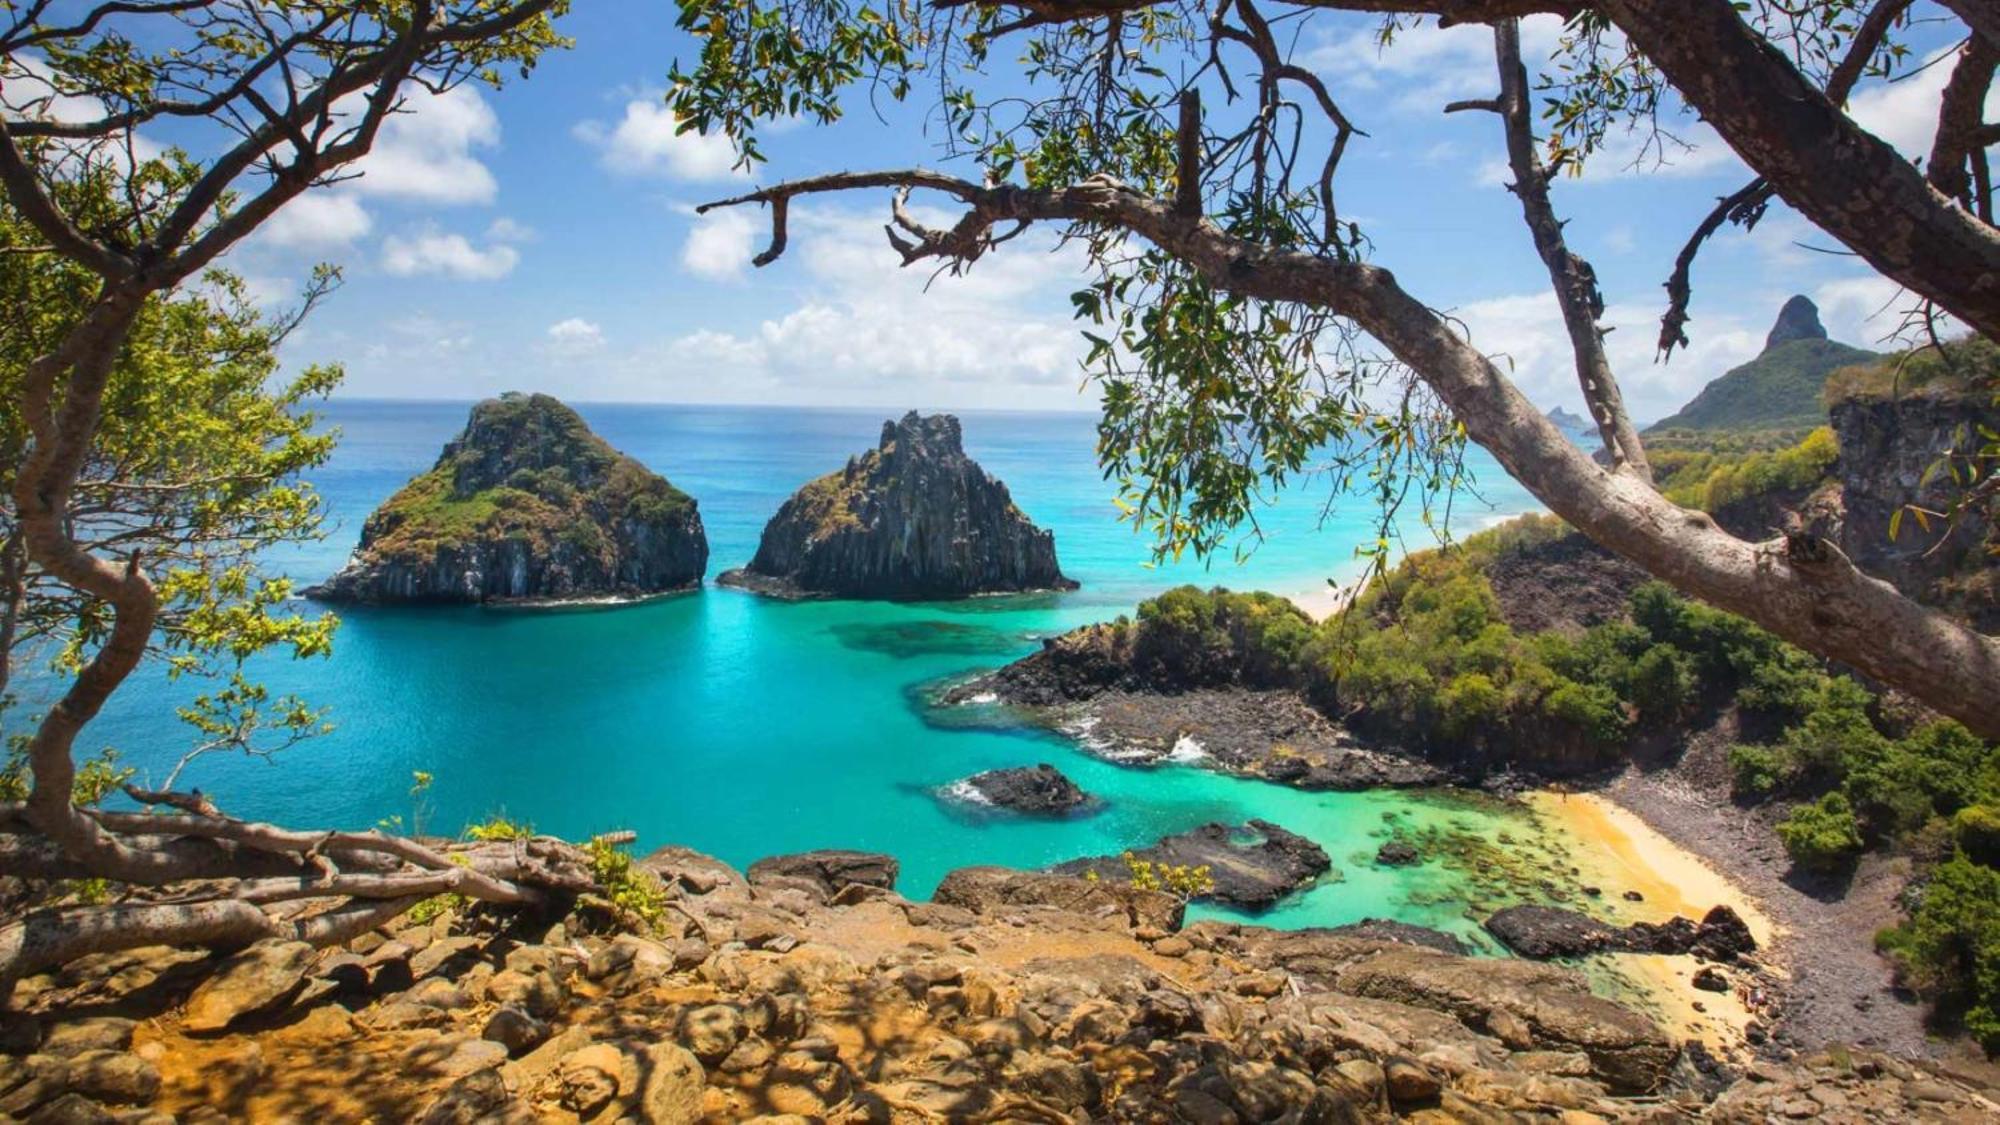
1850	183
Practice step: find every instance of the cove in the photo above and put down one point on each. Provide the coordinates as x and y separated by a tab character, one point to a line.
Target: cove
745	727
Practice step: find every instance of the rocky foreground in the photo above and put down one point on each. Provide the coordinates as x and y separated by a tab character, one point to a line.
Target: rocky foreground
527	504
812	991
913	518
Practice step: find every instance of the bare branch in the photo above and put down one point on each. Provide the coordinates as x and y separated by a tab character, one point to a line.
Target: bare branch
1574	280
1799	590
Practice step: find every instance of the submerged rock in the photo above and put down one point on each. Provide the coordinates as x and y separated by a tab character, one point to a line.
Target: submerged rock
526	504
1252	866
1040	790
913	518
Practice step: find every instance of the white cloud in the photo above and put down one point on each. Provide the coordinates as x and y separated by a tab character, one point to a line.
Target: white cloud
646	142
868	327
1904	112
504	229
575	336
431	251
1524	334
426	152
1426	66
720	244
318	220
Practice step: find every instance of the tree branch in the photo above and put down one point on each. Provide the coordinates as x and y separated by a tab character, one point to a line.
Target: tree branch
1573	279
1838	175
1799	589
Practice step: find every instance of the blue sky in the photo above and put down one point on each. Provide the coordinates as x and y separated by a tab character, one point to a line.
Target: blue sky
541	237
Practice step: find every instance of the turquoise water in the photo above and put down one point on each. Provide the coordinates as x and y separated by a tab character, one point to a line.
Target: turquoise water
746	727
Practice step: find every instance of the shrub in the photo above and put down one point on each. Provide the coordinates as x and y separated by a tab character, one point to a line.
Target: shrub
1662	684
1949	950
1470	703
1759	771
1822	836
1591	708
1976	828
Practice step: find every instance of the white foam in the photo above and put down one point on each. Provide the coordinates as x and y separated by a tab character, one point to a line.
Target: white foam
983	698
1187	751
963	790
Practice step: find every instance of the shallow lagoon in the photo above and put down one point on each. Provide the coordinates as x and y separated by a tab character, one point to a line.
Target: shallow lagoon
746	727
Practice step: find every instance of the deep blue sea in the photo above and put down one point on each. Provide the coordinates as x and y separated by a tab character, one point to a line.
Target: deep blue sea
746	727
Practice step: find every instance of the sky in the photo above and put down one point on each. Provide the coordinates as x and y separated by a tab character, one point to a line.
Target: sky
543	237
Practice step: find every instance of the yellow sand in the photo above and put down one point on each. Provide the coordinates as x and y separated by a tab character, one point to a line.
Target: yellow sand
1628	854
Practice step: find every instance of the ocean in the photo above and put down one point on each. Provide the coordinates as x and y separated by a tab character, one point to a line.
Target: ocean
745	727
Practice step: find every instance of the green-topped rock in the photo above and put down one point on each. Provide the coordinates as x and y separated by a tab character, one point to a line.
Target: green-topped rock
526	505
912	518
1778	390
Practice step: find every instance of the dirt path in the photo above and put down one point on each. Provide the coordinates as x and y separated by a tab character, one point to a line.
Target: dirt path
1840	990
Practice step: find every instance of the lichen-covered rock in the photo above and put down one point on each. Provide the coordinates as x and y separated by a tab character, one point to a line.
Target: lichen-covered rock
913	518
526	504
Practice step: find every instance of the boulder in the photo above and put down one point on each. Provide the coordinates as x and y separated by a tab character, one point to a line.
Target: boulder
1040	790
526	504
830	869
254	980
1250	866
913	518
996	890
1627	1051
1544	932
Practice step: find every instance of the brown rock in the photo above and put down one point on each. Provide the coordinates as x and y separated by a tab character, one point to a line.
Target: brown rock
257	979
1409	1083
672	1094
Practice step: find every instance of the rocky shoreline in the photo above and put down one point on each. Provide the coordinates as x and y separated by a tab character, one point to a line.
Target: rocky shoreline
809	988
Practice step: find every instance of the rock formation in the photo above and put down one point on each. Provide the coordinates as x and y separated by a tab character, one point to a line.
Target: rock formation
1040	790
1013	996
1891	448
1567	420
1780	388
526	504
1252	865
913	518
1544	932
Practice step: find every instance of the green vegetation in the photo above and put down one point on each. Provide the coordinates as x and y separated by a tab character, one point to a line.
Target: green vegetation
1969	365
628	888
1780	388
1185	882
1711	478
192	470
1949	950
526	467
1426	659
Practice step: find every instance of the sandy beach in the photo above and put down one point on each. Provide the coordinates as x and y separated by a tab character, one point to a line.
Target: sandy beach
1632	856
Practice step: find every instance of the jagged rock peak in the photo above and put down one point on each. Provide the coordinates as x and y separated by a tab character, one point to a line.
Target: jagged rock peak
1798	320
912	518
526	504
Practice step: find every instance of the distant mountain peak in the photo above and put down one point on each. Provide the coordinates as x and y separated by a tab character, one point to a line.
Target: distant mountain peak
1798	320
1567	420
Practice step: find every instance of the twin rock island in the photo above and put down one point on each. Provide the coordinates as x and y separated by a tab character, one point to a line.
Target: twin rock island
528	505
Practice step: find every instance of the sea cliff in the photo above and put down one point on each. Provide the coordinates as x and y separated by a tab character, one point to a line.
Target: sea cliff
913	518
527	504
